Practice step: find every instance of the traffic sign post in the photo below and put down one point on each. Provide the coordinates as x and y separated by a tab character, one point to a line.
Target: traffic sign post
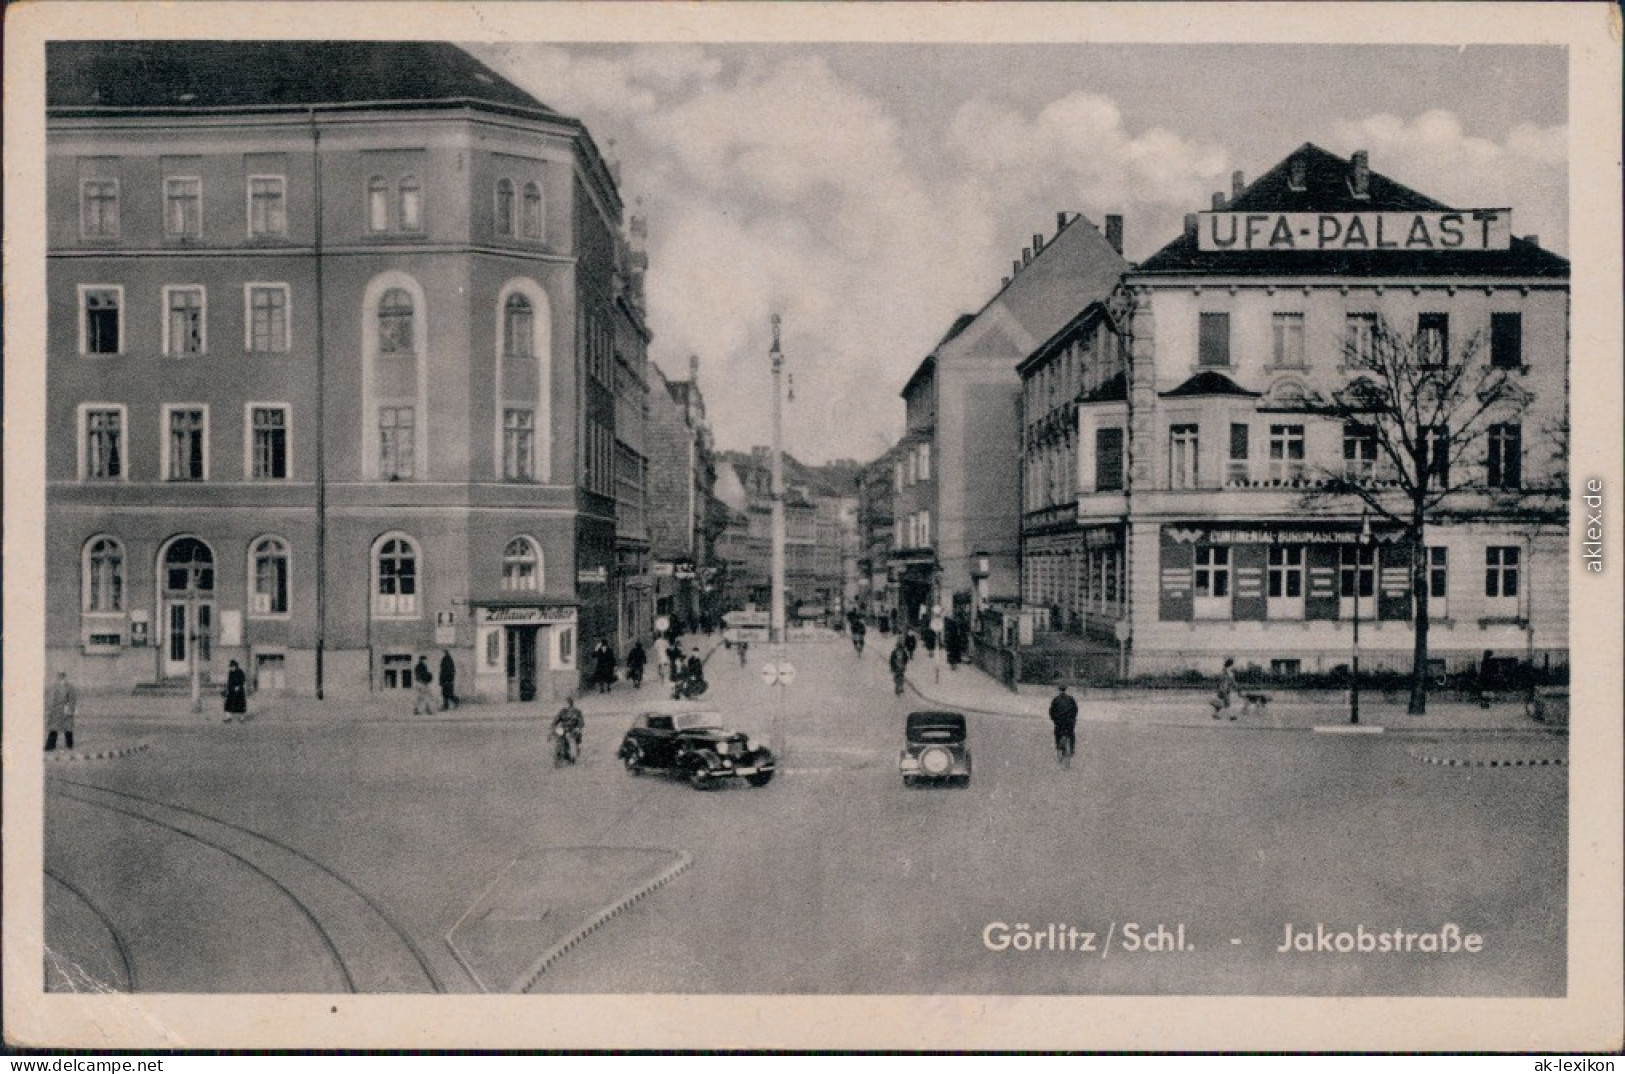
778	672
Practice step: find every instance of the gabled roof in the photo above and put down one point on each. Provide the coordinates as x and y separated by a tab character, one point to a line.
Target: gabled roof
1326	189
1209	382
194	76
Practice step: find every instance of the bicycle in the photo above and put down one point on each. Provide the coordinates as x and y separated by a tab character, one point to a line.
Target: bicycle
1066	744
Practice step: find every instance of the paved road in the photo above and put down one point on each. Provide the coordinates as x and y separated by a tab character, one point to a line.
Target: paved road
451	855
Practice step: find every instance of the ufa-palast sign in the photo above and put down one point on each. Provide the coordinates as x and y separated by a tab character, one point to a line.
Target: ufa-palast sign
1410	232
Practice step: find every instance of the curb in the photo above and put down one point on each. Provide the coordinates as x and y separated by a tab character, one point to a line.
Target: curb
100	755
1458	762
527	980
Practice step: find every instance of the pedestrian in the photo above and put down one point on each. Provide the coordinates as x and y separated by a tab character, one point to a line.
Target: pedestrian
448	681
1227	689
696	667
603	659
636	658
1063	713
744	648
60	703
928	638
674	654
953	643
236	694
661	661
423	678
859	632
911	642
898	661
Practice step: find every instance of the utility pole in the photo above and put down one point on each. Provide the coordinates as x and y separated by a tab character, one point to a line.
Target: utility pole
776	622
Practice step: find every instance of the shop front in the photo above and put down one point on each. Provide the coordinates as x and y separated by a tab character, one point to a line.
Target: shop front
525	652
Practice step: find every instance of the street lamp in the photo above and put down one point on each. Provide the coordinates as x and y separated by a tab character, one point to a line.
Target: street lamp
1359	575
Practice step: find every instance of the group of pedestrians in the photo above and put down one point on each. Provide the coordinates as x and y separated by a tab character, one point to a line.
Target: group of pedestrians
423	682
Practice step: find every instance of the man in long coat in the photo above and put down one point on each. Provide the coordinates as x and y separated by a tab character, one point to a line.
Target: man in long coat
60	701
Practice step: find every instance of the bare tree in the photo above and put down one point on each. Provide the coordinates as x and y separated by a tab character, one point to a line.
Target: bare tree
1427	431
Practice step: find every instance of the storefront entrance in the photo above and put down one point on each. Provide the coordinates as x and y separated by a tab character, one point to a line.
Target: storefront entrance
521	645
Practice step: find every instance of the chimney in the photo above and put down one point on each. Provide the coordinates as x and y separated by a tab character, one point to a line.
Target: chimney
694	367
1237	184
1038	245
1114	231
1218	201
1015	267
1360	177
1532	240
1005	282
1027	256
1190	224
1060	221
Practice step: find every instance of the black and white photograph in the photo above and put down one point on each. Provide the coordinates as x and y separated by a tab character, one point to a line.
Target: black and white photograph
904	526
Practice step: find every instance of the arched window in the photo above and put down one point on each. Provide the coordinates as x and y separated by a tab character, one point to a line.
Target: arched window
411	204
521	565
533	211
104	575
504	206
268	588
377	204
395	591
518	327
395	322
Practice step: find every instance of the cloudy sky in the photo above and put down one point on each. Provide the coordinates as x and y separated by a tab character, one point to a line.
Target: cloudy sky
869	193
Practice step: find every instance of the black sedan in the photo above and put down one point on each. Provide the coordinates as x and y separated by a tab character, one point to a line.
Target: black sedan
935	749
697	747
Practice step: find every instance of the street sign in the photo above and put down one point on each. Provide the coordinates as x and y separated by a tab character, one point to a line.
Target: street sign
780	674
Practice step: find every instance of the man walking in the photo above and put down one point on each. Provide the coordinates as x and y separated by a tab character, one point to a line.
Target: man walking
1063	713
448	681
60	702
423	678
898	662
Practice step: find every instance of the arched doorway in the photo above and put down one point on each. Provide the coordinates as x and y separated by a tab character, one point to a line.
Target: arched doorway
187	602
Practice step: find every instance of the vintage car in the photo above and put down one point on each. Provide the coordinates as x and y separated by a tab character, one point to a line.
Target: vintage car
935	750
694	745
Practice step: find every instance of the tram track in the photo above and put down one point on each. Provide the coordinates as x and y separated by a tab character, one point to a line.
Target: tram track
370	950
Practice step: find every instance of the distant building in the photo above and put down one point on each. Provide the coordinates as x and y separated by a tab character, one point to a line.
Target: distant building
959	469
343	361
683	477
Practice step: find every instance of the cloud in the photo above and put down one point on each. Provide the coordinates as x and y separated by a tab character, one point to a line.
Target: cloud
1526	171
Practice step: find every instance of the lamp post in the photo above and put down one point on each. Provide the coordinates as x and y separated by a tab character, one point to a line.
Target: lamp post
1359	575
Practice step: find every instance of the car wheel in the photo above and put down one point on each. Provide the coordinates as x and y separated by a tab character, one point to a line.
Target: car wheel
697	779
632	758
760	779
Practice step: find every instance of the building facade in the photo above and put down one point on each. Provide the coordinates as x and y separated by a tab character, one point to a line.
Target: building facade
1241	329
334	332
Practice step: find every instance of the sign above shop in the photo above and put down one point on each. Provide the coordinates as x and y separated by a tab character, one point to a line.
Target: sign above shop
1465	229
1274	533
524	614
592	576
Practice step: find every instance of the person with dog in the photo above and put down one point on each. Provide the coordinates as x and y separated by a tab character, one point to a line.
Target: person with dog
1227	689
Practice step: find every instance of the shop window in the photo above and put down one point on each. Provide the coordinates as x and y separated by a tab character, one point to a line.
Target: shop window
1357	580
397	671
1211	579
1285	592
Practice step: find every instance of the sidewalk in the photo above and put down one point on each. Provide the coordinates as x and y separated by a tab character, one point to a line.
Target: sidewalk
968	687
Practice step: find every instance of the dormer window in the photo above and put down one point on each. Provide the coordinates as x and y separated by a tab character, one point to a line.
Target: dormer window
1298	177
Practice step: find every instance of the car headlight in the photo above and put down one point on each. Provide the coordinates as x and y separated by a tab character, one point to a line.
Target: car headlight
936	761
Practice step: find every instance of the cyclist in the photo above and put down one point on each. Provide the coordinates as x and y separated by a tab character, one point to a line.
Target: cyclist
1063	713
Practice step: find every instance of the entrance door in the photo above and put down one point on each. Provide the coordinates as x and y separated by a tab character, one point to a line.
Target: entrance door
522	663
188	607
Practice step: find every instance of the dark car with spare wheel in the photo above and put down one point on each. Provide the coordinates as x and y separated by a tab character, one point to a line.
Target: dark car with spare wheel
935	749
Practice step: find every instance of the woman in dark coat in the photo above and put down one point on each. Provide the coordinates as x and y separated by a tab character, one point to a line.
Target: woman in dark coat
236	693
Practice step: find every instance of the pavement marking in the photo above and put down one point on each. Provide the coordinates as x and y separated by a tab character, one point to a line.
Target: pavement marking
1349	729
53	757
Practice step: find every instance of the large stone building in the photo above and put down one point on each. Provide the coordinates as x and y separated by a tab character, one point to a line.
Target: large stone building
1209	462
960	466
336	333
682	504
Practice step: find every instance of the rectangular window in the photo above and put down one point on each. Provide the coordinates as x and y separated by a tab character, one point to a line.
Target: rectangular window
411	204
1108	460
1358	571
98	210
1286	335
183	321
1359	453
104	443
271	579
1438	583
1432	339
268	431
1506	455
267	318
1506	340
1212	582
1285	582
377	204
925	529
397	671
1501	571
183	207
187	443
1360	340
267	206
518	444
898	476
1286	453
1182	454
396	447
101	320
1213	343
925	462
1236	471
1434	450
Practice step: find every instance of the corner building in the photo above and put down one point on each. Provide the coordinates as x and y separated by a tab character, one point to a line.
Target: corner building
330	373
1236	325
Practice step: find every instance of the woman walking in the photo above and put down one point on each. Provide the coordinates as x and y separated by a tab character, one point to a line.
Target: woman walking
236	694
